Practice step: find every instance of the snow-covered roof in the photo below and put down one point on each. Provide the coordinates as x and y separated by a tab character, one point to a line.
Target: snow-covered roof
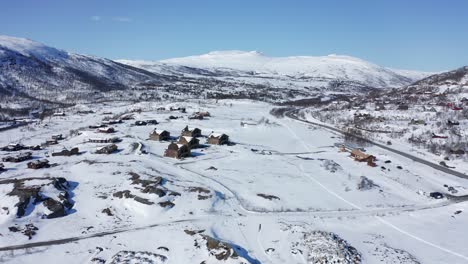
159	131
217	135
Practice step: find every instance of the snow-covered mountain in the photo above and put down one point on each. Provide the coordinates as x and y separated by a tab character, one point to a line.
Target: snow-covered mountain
335	67
38	72
458	77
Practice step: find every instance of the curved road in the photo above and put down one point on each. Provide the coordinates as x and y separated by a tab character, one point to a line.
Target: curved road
292	115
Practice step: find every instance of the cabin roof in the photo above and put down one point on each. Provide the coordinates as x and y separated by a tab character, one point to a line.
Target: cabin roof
217	135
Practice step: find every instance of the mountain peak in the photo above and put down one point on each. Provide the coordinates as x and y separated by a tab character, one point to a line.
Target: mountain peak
233	53
27	47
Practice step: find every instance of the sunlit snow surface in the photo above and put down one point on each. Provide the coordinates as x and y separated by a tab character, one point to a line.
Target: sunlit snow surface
317	210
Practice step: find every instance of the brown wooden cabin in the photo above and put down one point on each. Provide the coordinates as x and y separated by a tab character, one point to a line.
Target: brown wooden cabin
191	142
109	149
106	130
218	139
51	142
104	140
196	116
18	158
204	114
195	132
159	135
39	164
363	157
66	152
57	137
177	151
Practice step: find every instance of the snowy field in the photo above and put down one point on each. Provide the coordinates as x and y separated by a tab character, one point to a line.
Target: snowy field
280	193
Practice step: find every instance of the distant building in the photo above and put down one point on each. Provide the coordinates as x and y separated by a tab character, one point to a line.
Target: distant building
109	149
159	135
196	116
363	157
51	141
452	123
57	136
104	140
177	151
417	122
18	158
106	130
403	107
194	132
204	114
39	164
218	139
66	152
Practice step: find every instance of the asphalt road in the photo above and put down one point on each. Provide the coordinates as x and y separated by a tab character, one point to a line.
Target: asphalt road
292	115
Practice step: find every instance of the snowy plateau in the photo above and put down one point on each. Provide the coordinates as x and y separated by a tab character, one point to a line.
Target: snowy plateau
229	157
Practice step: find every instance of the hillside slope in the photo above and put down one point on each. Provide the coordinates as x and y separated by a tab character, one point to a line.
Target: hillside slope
33	71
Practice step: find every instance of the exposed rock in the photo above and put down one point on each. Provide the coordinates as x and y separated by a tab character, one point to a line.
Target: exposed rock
268	196
198	190
142	200
166	204
57	208
107	211
123	194
31	195
140	257
155	190
366	184
193	232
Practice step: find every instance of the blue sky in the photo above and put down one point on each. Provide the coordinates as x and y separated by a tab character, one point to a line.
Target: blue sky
412	34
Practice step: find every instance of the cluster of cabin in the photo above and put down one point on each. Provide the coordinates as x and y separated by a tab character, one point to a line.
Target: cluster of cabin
187	141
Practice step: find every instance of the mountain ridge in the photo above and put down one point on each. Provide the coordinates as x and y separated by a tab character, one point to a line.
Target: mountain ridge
340	67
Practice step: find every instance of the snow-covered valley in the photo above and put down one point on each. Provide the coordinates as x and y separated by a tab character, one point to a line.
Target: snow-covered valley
280	192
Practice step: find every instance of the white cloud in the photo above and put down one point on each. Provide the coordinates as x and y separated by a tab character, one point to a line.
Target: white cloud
95	18
122	19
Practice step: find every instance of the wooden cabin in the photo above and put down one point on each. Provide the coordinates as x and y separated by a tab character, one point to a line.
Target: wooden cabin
403	107
57	136
196	116
191	142
363	157
177	151
204	114
109	149
194	132
104	140
51	141
65	152
159	135
18	158
106	130
39	164
218	139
